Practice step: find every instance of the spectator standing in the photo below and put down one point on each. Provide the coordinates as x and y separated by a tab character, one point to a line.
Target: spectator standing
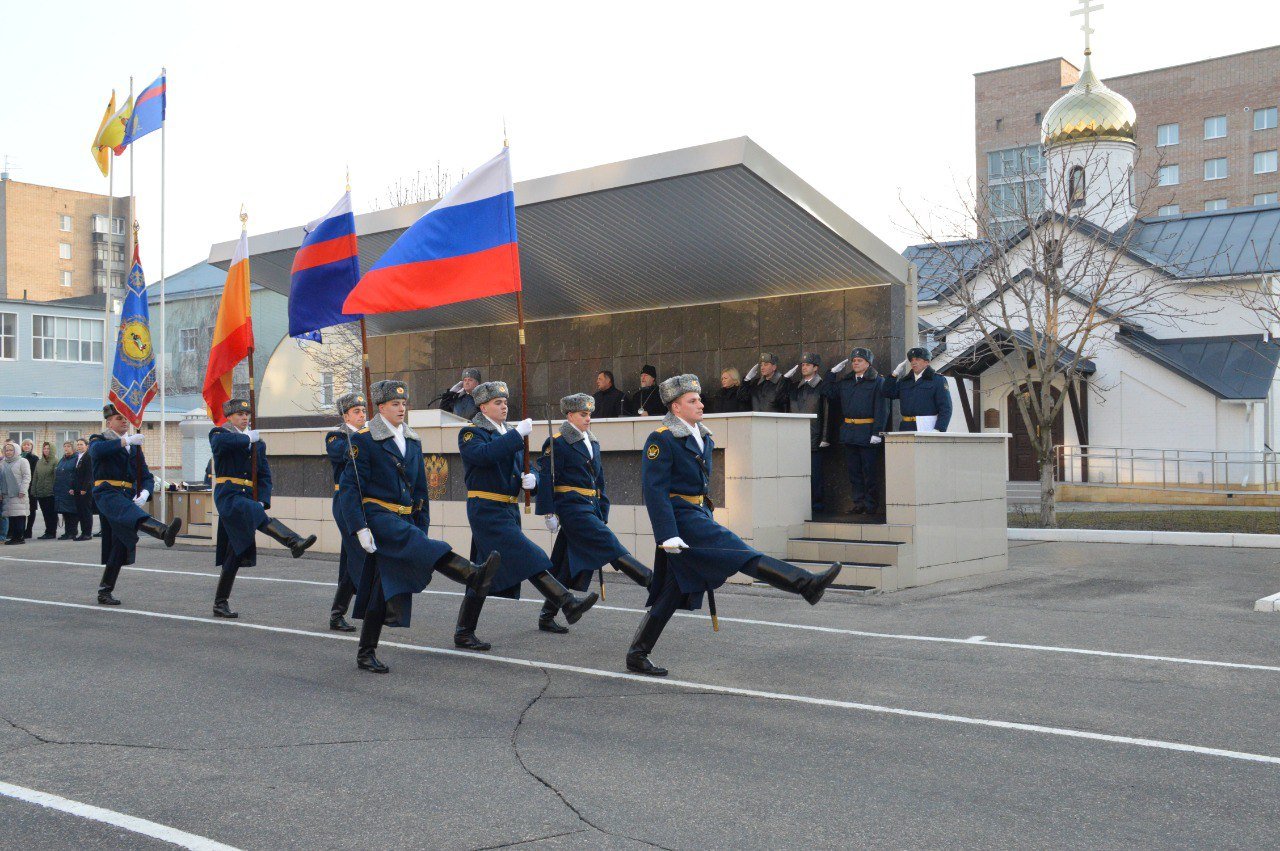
809	396
83	487
42	478
15	486
457	399
64	493
29	453
609	399
865	415
732	397
768	390
645	402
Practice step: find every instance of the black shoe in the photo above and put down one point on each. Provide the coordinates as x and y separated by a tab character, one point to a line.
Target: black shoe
338	623
576	607
83	538
631	568
788	577
47	536
222	610
105	598
548	623
96	535
475	576
283	535
642	645
464	637
15	541
160	531
366	661
66	537
638	663
573	606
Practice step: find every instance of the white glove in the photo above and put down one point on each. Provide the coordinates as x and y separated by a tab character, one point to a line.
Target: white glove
134	439
642	412
457	388
528	481
791	372
841	367
901	369
875	438
553	523
142	497
674	545
365	537
752	373
525	427
252	434
824	444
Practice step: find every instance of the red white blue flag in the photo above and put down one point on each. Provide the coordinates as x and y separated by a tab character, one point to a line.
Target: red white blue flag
325	270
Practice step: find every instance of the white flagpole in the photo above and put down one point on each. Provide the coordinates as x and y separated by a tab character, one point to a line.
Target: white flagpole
163	350
106	289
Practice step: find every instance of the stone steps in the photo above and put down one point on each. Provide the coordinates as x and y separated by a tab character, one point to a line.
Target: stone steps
876	553
865	578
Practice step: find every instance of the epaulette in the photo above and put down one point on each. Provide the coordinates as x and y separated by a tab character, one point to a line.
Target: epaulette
662	429
364	430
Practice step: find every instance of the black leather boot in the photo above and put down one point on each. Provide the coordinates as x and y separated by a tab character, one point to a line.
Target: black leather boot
370	632
642	645
337	612
788	577
108	584
573	606
159	531
631	567
283	535
476	577
547	619
468	616
220	597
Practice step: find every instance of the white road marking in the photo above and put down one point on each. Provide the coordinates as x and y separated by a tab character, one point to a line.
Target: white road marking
130	823
1157	744
1268	604
977	640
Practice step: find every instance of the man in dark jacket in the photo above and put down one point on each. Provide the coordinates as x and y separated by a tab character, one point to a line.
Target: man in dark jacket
767	388
865	415
28	452
83	487
920	392
645	402
809	396
609	399
457	399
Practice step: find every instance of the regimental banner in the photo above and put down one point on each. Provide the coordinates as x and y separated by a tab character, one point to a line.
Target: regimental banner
133	377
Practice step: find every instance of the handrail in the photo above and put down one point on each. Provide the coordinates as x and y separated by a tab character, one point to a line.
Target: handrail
1203	470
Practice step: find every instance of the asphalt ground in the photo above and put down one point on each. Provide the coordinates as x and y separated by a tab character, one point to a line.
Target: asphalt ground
968	714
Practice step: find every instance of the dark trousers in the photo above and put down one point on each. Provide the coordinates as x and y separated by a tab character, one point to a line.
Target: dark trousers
111	570
17	528
817	489
375	611
863	465
50	516
32	505
669	599
84	513
70	523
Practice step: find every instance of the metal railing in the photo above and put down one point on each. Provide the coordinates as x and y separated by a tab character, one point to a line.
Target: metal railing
1212	471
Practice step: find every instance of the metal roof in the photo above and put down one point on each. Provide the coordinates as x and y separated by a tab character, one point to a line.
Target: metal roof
1230	367
716	222
981	356
937	264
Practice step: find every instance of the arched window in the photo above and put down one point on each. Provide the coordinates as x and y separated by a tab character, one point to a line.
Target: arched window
1076	187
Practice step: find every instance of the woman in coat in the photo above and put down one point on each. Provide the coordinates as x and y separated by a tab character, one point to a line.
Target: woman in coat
42	489
732	397
15	485
64	498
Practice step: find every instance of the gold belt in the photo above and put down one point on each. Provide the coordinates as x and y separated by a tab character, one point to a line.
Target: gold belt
335	488
867	421
222	480
696	500
114	482
908	419
572	489
389	506
496	497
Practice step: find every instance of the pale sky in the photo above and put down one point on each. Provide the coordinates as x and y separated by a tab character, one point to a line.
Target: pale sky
269	102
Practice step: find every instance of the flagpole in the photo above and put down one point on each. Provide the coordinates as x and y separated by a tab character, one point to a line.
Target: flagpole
106	289
164	351
253	398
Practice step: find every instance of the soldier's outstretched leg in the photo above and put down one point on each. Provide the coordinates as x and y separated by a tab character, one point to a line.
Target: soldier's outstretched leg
337	611
651	626
464	636
631	567
547	617
283	535
110	572
573	606
788	577
221	607
371	630
464	572
160	531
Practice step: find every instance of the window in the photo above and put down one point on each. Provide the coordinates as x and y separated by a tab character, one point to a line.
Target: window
8	336
1265	118
1264	162
1169	210
326	388
1076	187
66	279
1215	127
1166	134
66	435
1016	200
188	340
19	436
1215	169
1215	204
102	252
1265	198
1015	162
999	121
1039	118
1170	175
64	251
63	338
64	224
100	225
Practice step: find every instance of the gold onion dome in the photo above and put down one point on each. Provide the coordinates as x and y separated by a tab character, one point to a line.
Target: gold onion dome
1089	112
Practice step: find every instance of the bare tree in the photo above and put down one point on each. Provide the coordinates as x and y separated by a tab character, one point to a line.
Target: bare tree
333	367
423	186
1043	280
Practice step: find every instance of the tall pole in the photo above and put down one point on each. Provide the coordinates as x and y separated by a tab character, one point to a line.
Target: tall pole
164	349
253	398
524	384
364	358
106	289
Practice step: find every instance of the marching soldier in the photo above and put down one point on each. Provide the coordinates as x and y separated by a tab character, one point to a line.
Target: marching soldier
765	385
122	485
920	391
809	396
695	553
493	463
383	497
865	416
243	501
571	494
351	408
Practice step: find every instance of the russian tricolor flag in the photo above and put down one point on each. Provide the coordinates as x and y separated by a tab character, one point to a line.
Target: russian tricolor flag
464	248
325	271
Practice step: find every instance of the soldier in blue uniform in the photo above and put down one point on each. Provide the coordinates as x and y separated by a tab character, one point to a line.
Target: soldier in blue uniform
920	391
571	493
493	463
383	497
864	418
354	412
122	484
695	553
243	501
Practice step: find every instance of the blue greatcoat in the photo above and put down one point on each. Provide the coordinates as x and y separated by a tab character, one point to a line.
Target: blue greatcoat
673	465
492	464
239	515
336	447
64	481
927	396
584	517
386	491
113	465
860	399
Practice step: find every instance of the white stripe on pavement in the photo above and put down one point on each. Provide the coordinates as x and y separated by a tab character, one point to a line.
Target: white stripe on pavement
975	641
130	823
689	684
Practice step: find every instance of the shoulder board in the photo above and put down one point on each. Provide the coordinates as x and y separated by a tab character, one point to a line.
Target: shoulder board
364	430
661	430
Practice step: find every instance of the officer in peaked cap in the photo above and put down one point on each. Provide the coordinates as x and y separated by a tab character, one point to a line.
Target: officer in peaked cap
809	396
353	408
695	553
766	386
571	494
858	389
920	391
242	494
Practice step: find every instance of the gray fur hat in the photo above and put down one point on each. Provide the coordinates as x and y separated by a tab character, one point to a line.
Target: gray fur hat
349	401
577	402
918	352
489	391
768	357
472	373
385	391
235	406
811	358
865	354
678	385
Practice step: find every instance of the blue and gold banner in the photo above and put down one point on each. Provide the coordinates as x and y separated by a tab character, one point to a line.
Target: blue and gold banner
133	377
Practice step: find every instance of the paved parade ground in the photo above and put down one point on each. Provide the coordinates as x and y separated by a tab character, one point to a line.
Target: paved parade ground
973	714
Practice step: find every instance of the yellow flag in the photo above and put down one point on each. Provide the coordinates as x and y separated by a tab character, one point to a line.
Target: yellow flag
101	154
111	134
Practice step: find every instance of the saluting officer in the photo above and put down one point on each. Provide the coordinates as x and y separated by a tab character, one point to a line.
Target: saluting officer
696	554
241	511
809	396
765	384
920	391
457	399
865	413
122	485
383	497
571	493
493	463
352	409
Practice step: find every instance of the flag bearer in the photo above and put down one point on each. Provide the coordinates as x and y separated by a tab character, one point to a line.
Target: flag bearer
122	484
352	409
572	496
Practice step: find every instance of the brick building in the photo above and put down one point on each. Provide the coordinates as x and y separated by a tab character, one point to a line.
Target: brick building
55	243
1208	136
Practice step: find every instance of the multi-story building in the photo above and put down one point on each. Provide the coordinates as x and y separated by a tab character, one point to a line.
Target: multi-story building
57	243
1208	138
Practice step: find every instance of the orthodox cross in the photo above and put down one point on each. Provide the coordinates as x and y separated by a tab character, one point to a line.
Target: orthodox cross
1085	9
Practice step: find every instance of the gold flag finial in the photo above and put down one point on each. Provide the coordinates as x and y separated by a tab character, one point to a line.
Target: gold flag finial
244	217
